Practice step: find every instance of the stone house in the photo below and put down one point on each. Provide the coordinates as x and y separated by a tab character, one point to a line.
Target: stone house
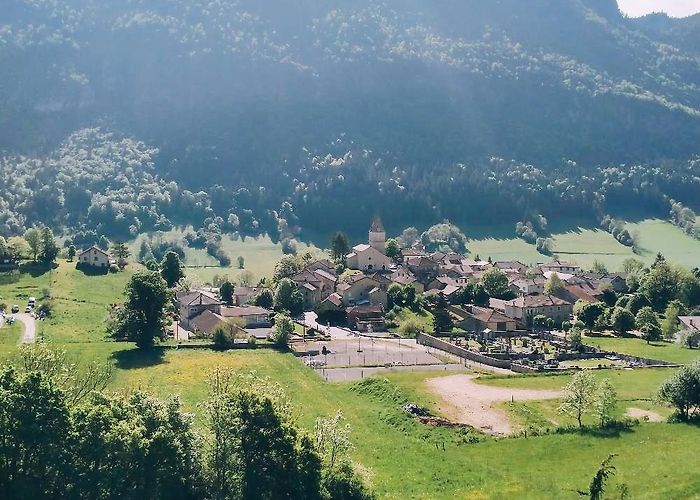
94	257
364	318
477	319
193	303
525	308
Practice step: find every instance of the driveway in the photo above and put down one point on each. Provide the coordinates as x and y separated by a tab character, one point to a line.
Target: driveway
29	328
310	321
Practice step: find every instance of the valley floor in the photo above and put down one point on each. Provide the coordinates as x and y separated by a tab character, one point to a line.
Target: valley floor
399	456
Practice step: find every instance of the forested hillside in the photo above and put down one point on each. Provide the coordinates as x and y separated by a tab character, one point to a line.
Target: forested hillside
257	116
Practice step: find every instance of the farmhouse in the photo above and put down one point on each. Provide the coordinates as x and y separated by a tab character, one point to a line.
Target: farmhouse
94	257
193	303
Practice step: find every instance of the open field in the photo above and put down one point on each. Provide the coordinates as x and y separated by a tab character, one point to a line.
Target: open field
584	245
661	236
260	255
406	459
10	336
81	301
662	351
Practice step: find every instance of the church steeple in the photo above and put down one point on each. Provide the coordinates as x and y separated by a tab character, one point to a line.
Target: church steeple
377	235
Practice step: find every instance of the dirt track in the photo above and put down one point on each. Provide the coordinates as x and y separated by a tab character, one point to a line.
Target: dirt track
470	403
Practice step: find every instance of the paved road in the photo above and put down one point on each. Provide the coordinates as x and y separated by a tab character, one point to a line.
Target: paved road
29	330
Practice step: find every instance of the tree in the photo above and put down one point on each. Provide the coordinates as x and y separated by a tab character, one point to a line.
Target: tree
671	324
589	313
576	340
172	269
332	436
255	450
286	267
605	402
579	395
495	283
637	302
71	252
597	487
554	284
241	262
120	251
395	295
288	298
392	249
283	331
660	285
409	237
442	321
599	267
265	299
340	247
682	390
226	292
246	278
33	238
49	247
647	322
103	242
225	334
136	446
621	320
689	338
631	265
35	459
142	318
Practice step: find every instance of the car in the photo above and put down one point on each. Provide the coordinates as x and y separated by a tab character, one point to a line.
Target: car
32	301
28	309
15	309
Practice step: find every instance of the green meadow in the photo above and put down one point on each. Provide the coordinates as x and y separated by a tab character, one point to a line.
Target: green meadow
584	245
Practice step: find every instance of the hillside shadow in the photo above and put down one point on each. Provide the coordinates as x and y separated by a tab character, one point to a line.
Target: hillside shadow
139	358
36	269
92	270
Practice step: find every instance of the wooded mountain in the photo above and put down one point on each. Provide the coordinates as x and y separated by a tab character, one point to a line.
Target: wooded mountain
274	94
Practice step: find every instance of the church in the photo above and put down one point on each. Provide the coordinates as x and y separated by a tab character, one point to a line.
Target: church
371	257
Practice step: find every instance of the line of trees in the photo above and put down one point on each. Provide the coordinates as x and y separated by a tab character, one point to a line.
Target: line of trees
59	442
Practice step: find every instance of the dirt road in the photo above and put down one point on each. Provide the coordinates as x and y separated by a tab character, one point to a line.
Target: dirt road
471	403
29	328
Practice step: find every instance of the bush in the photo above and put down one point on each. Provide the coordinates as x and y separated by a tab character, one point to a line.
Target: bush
410	328
682	391
45	308
223	338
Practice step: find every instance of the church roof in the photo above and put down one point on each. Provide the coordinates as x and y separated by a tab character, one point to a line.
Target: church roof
377	226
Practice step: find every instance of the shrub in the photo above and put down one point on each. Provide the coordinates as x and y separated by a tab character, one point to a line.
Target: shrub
223	338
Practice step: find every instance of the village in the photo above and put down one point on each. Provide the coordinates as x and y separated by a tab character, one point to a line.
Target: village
499	315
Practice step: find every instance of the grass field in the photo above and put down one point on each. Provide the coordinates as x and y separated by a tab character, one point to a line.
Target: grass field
260	256
662	351
81	301
404	459
584	245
